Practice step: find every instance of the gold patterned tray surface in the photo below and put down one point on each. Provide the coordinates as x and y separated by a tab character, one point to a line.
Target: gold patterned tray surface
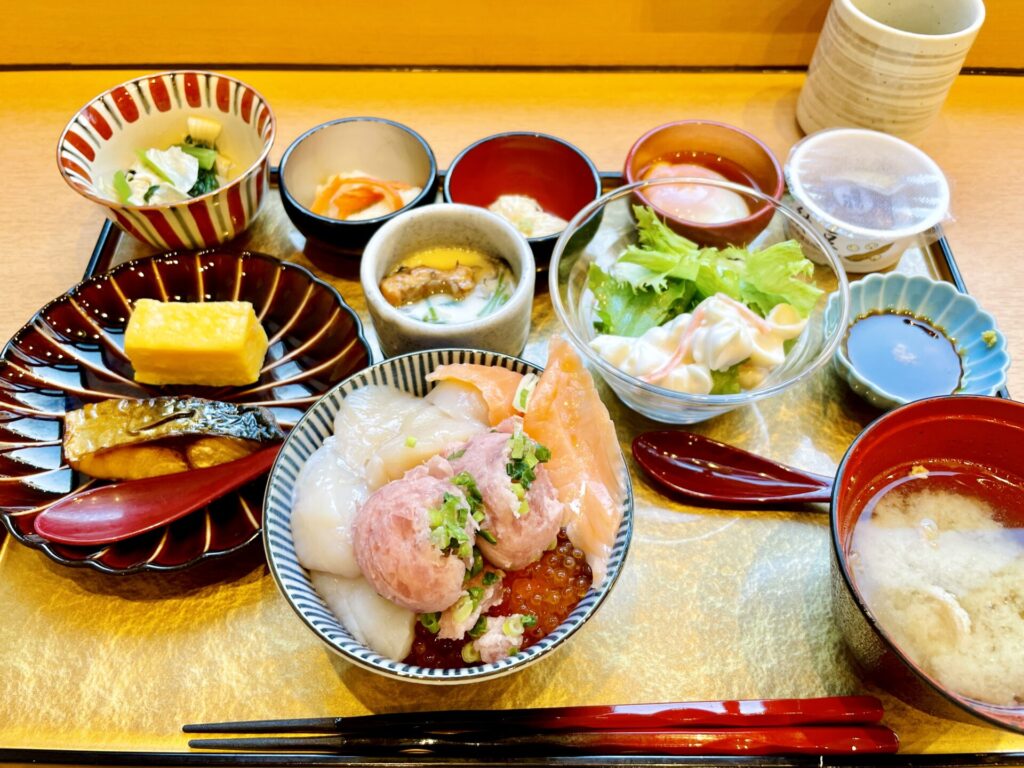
711	604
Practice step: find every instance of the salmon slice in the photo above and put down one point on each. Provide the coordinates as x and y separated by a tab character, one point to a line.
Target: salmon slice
565	414
497	385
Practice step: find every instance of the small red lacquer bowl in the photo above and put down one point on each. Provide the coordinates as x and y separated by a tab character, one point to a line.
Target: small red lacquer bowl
550	170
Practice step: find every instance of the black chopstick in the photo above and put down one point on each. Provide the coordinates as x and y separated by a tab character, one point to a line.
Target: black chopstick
817	740
831	710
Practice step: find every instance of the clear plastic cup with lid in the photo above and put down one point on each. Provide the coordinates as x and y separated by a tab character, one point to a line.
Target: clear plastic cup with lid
869	194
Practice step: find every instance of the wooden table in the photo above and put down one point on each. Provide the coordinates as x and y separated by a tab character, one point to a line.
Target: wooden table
49	230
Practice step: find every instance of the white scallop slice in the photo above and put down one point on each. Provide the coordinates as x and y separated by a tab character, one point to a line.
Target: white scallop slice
459	400
367	418
377	623
327	495
424	433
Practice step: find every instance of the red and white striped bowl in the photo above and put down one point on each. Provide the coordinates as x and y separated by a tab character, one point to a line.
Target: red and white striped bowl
151	111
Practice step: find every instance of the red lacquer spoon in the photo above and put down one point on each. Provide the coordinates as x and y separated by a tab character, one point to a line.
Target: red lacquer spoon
701	468
119	511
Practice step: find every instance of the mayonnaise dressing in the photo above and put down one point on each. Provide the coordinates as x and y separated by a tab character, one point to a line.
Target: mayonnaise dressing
719	334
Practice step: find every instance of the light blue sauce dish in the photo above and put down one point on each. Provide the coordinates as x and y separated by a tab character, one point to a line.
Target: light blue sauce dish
980	345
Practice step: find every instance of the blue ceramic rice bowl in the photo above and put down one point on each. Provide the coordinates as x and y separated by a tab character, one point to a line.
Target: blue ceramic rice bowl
407	373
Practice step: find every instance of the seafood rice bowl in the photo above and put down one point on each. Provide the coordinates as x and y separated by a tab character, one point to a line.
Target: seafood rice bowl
450	515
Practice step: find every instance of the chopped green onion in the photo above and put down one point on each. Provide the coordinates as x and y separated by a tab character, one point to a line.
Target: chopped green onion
529	620
525	455
524	391
518	445
519	491
478	564
463	609
470	654
498	298
410	442
457	455
476	593
448	527
153	189
489	578
479	628
439	537
524	509
431	622
488	536
513	626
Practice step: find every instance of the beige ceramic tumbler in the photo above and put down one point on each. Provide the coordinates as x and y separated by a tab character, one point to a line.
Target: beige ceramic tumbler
887	64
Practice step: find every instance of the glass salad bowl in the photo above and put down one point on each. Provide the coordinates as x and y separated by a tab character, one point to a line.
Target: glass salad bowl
618	271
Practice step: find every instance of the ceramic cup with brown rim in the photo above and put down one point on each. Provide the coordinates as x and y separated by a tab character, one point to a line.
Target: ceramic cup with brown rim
887	65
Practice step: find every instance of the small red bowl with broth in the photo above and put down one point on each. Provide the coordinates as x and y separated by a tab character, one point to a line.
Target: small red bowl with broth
706	149
928	556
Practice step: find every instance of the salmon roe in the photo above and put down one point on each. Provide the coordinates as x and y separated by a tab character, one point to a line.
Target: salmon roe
548	589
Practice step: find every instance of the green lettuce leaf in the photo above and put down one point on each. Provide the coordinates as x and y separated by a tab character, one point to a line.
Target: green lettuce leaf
623	310
658	236
720	272
662	254
772	277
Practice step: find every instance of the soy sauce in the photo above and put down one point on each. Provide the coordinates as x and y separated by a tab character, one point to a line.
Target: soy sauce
904	355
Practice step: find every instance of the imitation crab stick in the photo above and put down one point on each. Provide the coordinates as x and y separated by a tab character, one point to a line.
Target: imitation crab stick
343	196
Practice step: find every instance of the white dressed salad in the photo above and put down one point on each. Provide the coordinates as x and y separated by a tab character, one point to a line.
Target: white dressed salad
699	320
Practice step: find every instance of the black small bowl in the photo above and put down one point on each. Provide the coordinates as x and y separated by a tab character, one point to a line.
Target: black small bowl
382	148
550	170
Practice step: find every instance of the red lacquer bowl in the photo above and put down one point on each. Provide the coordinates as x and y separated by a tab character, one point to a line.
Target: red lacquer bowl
71	353
753	162
984	431
553	172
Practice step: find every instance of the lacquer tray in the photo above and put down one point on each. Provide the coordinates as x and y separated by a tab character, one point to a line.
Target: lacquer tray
712	604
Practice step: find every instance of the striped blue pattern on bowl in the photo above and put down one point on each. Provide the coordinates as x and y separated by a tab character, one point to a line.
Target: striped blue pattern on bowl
956	314
408	373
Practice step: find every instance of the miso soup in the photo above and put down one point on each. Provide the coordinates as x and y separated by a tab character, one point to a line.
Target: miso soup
938	556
